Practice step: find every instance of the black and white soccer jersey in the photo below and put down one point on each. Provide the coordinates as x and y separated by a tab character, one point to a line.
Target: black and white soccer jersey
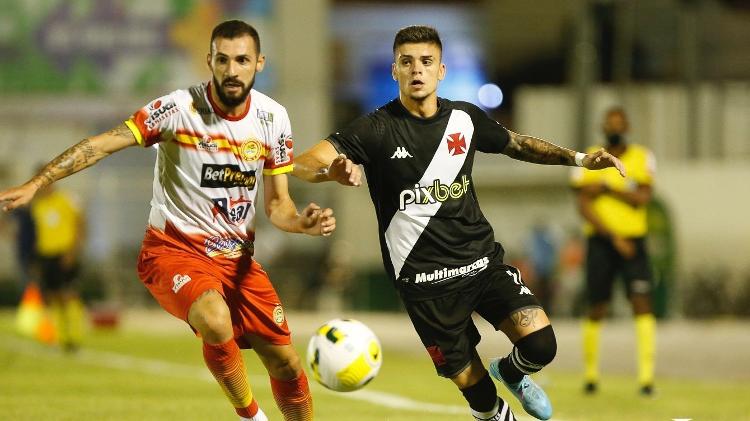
433	235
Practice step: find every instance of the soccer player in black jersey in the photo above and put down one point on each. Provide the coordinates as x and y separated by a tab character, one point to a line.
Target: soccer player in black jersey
418	152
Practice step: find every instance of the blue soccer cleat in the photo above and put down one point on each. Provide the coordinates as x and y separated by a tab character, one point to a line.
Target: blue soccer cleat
532	397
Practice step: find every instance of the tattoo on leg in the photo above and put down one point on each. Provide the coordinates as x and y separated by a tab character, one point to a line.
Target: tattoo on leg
525	317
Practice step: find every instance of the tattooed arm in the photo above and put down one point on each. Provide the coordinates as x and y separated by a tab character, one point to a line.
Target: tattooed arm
79	156
538	151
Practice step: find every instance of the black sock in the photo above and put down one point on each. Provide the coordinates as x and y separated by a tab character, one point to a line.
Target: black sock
509	372
530	354
481	396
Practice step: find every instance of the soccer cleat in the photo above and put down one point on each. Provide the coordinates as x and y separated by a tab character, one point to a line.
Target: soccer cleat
590	388
532	397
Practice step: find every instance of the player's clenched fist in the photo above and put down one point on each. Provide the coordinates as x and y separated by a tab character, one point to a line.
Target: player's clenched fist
317	221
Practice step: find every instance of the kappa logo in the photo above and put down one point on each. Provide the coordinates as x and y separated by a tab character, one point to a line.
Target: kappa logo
179	281
517	280
401	153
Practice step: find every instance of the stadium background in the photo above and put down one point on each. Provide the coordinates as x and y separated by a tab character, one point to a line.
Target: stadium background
71	68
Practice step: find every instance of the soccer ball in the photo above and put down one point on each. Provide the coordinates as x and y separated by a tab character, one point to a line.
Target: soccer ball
344	355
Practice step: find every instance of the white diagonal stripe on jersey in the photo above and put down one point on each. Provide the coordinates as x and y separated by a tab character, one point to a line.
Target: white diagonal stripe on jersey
408	224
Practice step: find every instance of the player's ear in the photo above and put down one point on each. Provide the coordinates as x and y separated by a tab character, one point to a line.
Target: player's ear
393	71
208	60
260	63
441	71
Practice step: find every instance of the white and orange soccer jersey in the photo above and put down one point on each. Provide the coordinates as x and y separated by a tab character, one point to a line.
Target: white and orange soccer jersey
208	167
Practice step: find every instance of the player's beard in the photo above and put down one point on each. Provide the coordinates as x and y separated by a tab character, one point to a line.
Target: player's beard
236	100
615	139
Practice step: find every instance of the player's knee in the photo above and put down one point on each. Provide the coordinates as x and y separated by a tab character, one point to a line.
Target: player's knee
538	348
286	367
216	327
470	375
212	320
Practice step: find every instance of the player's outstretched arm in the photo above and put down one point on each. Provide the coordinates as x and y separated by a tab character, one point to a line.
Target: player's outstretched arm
79	156
532	149
322	163
283	214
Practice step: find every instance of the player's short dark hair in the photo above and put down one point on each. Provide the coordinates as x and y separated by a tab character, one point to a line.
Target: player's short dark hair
231	29
417	34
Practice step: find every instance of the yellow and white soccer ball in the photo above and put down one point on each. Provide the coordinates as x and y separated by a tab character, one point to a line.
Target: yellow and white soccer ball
344	355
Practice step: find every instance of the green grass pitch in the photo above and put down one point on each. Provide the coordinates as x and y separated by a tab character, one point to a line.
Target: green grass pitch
139	375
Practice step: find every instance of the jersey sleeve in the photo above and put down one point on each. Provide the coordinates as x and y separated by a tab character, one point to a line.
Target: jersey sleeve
280	158
490	136
354	139
156	118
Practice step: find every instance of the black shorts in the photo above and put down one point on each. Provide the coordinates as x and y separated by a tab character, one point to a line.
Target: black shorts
445	326
604	263
54	277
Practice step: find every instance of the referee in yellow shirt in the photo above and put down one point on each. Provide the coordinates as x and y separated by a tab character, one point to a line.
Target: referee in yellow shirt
59	236
614	210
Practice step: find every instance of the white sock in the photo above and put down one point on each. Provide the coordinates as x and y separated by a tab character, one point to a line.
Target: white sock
498	413
259	416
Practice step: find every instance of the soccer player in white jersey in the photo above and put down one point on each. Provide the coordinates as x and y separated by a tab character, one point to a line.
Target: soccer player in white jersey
214	141
437	246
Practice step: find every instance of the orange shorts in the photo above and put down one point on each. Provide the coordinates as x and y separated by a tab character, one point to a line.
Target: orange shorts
176	278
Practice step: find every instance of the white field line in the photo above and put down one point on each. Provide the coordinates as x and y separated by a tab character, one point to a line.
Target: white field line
164	368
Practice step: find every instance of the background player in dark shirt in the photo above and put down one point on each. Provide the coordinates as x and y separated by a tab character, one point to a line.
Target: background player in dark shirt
438	248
